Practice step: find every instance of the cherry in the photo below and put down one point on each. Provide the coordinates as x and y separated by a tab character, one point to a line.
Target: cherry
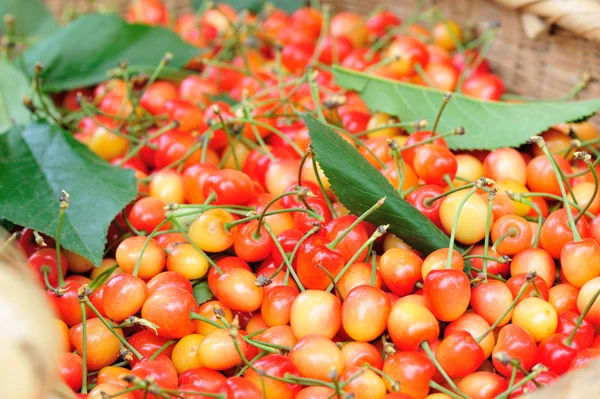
438	260
518	344
365	313
359	353
168	280
433	162
477	327
573	253
447	293
511	234
541	176
124	295
170	309
400	270
459	354
350	243
147	343
358	274
410	324
516	283
556	353
367	385
150	12
134	250
468	230
419	199
276	305
217	350
316	312
317	357
102	345
274	366
173	147
485	86
583	357
567	323
313	255
230	186
490	300
237	290
71	370
536	316
209	233
209	310
534	259
563	297
413	370
304	222
202	379
409	52
47	257
160	370
109	388
67	304
460	60
482	385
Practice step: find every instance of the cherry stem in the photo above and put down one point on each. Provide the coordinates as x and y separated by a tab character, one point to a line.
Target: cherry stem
332	279
455	225
444	390
228	226
256	234
229	135
84	347
554	197
381	230
513	376
90	305
373	267
146	243
64	204
400	167
540	220
530	278
419	123
524	381
588	306
310	232
511	232
259	139
587	159
394	384
101	278
193	244
432	138
492	276
488	225
254	359
333	244
447	97
287	261
429	201
438	366
322	188
45	269
559	177
162	348
302	162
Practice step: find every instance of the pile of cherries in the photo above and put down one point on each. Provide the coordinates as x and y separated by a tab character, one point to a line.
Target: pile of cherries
236	273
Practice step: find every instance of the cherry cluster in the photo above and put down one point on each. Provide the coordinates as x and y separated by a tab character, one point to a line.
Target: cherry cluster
237	273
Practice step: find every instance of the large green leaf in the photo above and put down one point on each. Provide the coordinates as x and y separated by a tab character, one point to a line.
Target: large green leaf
81	53
488	125
31	17
257	5
40	160
13	86
358	185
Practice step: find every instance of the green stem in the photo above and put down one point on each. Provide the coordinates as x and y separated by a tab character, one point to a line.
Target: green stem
588	306
84	347
333	244
455	225
438	366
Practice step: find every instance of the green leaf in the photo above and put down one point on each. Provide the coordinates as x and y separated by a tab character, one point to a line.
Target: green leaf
40	160
31	17
13	86
202	292
83	52
226	98
488	125
358	185
256	6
